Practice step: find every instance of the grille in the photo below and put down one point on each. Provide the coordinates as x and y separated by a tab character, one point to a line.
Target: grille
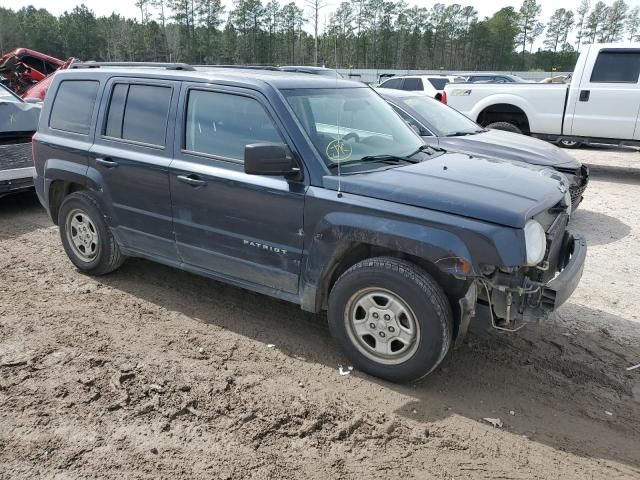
15	156
576	193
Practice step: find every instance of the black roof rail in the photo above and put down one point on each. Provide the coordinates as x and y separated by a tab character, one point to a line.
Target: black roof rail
244	67
167	66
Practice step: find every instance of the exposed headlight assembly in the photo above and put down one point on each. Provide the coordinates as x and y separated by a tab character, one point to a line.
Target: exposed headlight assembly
535	242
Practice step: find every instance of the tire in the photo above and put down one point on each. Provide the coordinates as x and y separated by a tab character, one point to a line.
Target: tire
421	307
85	236
505	126
569	143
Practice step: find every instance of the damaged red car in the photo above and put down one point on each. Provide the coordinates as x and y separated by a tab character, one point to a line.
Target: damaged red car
25	71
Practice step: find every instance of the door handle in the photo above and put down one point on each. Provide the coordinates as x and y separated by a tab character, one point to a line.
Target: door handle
584	95
192	180
107	162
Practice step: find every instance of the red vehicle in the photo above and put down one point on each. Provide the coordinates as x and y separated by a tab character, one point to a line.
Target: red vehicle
23	68
39	90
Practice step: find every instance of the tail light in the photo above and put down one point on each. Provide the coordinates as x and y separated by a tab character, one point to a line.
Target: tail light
443	98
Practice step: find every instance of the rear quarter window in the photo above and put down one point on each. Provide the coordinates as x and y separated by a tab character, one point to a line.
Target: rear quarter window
73	106
616	67
438	83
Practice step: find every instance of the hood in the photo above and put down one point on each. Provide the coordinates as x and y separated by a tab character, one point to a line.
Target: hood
486	189
19	117
511	146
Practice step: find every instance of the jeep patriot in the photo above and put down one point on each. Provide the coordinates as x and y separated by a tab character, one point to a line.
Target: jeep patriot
309	189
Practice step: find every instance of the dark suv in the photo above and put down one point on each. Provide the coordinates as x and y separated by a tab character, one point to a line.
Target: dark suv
309	189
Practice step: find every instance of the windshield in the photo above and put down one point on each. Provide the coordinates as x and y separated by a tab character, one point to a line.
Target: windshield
444	119
347	124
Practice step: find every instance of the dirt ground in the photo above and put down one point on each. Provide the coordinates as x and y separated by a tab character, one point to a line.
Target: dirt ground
155	373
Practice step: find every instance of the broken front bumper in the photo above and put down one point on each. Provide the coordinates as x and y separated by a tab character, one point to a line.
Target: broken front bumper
515	300
557	291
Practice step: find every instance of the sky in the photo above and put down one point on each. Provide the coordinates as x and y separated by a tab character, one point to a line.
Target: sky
127	8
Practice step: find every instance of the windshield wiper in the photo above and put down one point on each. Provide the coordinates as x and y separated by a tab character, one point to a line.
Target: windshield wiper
423	148
464	133
392	159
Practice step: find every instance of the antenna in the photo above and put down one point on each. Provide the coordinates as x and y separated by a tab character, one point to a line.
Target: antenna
335	55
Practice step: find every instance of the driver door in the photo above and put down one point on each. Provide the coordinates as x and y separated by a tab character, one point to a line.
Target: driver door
241	227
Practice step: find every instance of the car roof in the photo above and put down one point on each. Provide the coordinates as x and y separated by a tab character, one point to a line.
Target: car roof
255	78
423	75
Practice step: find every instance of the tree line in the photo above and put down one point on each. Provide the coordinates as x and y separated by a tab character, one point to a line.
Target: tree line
356	34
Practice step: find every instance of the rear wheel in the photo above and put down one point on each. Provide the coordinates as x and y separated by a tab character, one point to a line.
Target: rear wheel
391	319
505	126
569	143
86	239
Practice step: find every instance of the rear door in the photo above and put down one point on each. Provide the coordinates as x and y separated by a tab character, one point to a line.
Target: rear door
246	228
607	99
131	157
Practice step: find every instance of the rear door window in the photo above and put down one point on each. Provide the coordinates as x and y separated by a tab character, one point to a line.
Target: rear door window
222	124
395	83
616	67
73	106
412	84
139	113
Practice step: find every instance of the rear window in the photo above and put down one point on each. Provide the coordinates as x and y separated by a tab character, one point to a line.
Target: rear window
616	67
438	83
139	113
73	106
412	84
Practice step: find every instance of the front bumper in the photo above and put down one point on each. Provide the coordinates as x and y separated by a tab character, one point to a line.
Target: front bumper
558	290
516	299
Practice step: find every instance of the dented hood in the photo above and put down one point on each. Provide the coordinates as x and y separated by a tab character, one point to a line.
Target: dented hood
486	189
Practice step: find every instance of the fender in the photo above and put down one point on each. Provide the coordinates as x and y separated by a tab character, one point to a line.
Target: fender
73	172
507	98
338	232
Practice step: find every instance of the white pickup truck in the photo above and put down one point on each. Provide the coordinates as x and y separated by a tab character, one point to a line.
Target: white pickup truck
601	105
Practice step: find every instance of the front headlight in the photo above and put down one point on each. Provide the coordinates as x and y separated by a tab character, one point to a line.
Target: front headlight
535	242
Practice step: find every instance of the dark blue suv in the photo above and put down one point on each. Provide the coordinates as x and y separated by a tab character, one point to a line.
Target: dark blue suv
309	189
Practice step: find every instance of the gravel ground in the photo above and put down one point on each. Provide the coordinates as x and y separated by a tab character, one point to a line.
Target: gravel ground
155	373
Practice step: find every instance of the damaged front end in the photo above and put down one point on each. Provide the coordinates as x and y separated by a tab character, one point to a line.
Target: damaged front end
516	296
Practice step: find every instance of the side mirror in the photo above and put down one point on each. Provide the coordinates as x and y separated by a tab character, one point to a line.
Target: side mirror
269	159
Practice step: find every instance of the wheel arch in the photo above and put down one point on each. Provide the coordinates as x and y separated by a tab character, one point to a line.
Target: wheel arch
342	244
506	108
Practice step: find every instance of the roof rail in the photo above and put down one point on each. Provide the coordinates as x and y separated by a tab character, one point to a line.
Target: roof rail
244	67
167	66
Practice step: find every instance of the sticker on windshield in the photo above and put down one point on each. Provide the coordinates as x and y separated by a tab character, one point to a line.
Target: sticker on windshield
338	151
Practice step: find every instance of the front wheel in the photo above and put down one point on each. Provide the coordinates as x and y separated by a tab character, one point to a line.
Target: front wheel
391	319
